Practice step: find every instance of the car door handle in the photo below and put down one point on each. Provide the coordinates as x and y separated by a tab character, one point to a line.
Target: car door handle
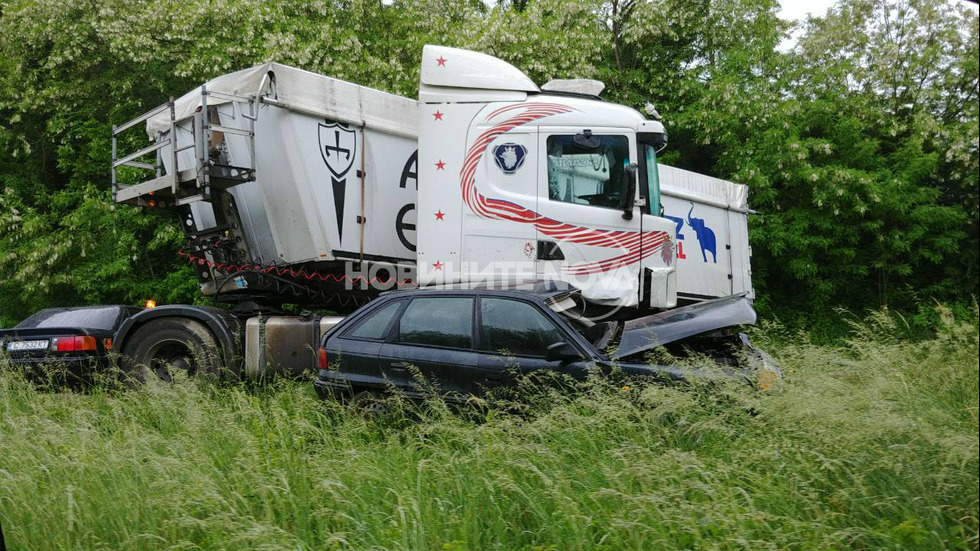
400	366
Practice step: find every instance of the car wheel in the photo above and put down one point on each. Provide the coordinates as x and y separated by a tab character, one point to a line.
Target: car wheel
368	404
161	347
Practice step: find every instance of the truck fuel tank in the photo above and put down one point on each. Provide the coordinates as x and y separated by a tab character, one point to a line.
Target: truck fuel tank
284	345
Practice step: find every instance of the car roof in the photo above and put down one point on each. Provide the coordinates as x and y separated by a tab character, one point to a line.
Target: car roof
541	289
41	316
90	307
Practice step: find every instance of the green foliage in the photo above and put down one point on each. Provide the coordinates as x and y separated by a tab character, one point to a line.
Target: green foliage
859	145
871	444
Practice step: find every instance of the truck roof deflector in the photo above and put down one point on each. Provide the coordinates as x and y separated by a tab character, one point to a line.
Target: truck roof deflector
454	68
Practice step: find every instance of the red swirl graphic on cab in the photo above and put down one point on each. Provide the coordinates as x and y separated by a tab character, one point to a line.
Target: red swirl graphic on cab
637	244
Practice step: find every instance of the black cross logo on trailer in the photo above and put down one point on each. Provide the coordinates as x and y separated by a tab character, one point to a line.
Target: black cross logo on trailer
338	147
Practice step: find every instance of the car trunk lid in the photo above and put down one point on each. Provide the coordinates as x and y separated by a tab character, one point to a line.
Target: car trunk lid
38	342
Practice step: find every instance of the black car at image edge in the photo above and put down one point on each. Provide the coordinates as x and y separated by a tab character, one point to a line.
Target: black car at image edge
77	339
471	340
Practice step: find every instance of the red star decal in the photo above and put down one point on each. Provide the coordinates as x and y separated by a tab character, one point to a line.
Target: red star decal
440	215
441	62
438	265
440	165
437	115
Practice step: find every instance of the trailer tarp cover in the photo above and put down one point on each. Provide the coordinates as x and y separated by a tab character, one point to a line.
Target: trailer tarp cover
327	97
705	189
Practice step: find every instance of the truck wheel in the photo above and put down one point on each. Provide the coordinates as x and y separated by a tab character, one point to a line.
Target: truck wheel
163	346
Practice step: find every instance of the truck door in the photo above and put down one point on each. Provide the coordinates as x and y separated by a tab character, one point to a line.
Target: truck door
590	234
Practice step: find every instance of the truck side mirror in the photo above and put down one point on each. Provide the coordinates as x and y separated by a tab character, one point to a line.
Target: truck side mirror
629	194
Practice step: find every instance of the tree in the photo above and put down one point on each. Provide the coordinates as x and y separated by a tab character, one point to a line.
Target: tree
863	187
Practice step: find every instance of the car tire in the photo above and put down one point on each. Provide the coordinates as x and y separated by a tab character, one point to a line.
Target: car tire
368	404
161	347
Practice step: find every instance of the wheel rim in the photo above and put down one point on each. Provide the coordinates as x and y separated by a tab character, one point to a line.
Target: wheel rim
164	355
369	405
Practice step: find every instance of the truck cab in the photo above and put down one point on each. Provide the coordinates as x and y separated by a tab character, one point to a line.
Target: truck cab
516	181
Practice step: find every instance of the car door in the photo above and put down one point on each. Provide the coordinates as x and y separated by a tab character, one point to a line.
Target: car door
514	340
434	335
353	354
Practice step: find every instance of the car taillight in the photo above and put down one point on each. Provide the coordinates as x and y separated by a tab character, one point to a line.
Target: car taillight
321	358
74	344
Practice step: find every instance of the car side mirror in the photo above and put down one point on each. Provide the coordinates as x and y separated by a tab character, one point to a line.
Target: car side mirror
562	351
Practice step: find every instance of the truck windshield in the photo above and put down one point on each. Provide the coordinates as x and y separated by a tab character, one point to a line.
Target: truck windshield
652	177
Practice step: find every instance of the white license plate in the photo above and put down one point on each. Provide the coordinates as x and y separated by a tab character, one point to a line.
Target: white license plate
27	345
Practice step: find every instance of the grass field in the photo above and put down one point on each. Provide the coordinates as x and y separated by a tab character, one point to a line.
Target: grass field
869	444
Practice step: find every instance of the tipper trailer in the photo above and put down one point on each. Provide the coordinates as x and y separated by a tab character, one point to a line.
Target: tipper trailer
293	187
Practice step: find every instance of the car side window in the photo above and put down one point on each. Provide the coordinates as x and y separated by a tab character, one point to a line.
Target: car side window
375	325
438	321
515	327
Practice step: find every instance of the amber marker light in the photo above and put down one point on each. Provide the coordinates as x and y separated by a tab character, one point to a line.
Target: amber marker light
150	303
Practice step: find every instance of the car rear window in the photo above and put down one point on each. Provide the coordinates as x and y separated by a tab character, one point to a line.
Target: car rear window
438	321
375	325
89	318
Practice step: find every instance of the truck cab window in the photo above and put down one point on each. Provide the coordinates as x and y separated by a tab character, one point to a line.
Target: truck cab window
651	177
587	176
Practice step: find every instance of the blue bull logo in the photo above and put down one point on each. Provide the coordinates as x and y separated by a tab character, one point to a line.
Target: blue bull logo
705	235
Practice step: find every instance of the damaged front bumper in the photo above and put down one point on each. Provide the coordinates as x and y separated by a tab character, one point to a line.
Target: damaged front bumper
697	320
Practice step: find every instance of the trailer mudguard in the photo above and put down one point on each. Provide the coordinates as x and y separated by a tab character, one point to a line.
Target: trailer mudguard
223	324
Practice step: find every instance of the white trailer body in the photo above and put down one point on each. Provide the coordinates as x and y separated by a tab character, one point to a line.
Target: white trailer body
711	225
334	174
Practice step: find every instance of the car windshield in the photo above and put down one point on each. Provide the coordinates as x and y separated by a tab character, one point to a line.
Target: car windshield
90	318
573	309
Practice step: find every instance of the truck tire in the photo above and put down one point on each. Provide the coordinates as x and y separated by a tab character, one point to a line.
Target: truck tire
162	346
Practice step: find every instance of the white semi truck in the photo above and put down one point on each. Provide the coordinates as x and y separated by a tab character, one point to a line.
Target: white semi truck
297	188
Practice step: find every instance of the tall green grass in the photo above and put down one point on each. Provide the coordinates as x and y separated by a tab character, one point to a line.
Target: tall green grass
867	445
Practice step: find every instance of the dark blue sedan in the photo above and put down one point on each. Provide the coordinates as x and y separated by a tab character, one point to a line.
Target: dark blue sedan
470	340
